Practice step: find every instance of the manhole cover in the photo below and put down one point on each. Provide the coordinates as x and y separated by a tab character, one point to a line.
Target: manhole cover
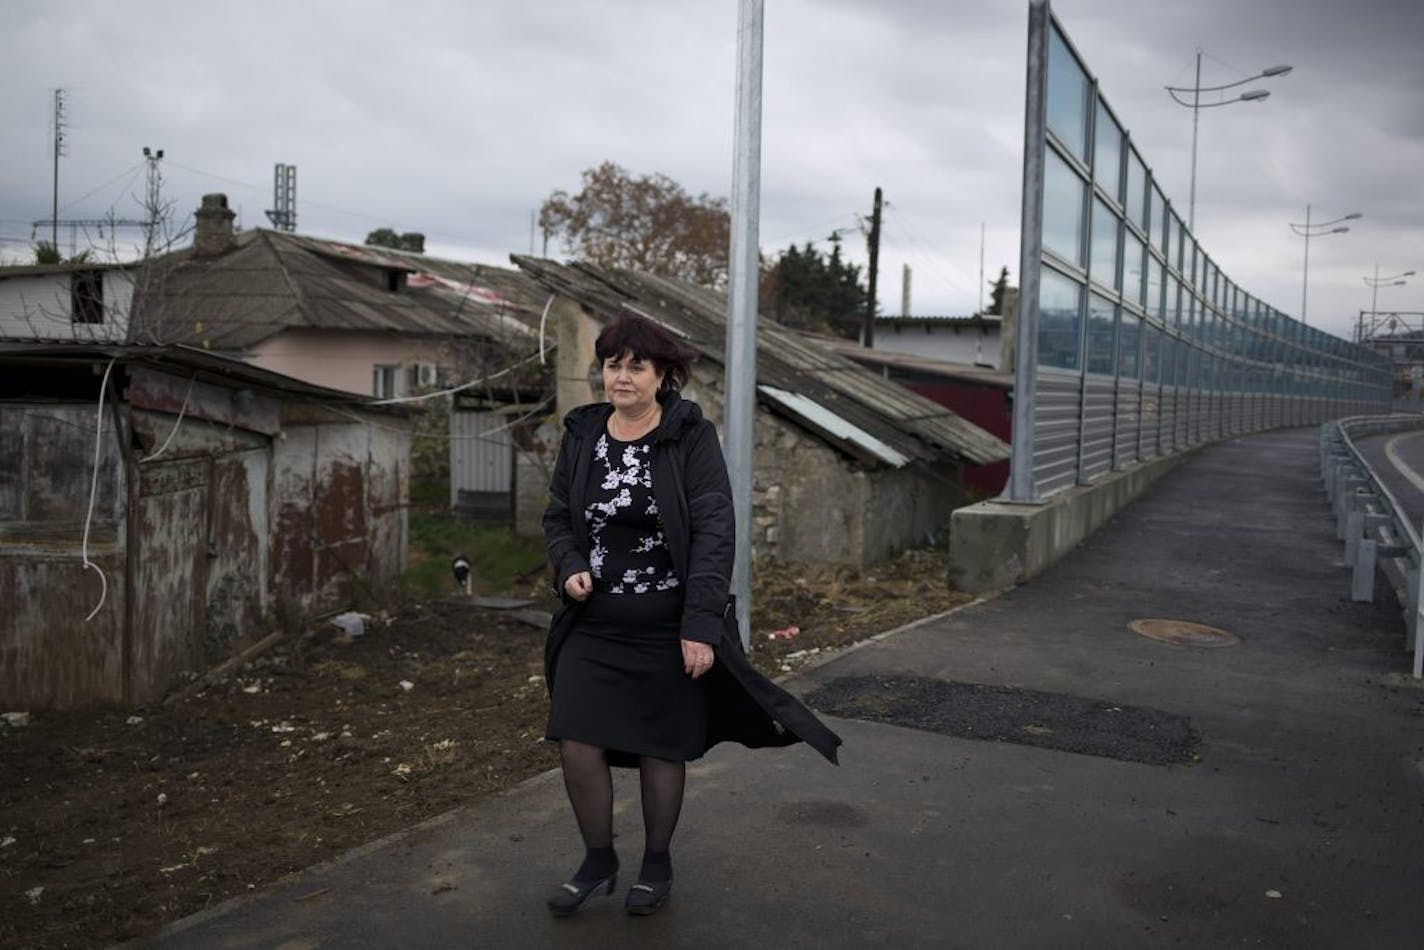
1184	633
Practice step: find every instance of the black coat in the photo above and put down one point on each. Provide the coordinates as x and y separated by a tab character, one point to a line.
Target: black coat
694	498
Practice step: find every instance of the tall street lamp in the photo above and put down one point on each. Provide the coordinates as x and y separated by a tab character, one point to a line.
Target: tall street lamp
1375	283
1308	231
1196	105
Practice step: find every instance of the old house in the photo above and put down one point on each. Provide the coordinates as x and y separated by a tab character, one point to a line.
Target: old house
162	507
370	320
83	301
973	340
849	467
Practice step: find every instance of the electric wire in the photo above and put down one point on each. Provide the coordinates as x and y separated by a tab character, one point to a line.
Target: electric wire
176	423
93	493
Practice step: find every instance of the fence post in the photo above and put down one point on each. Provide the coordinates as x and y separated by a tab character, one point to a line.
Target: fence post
1354	534
1416	611
1362	582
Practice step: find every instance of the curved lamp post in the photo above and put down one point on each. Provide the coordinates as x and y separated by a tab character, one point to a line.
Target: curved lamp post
1196	105
1318	229
1375	283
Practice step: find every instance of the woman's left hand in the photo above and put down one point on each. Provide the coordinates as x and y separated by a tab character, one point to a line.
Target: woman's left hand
697	658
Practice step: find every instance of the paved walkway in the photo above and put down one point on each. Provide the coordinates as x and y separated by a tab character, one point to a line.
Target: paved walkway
1302	825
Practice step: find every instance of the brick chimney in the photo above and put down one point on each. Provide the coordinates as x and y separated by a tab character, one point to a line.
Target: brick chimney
212	235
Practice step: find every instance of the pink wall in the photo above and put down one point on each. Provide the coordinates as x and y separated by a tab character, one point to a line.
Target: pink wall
344	360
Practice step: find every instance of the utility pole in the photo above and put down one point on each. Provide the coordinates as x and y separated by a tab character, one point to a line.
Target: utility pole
981	268
868	337
739	378
155	187
58	151
905	290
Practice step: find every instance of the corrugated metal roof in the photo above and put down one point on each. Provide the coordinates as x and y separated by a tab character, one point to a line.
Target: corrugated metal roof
901	421
833	426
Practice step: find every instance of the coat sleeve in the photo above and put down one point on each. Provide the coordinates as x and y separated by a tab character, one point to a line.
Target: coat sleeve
564	554
712	529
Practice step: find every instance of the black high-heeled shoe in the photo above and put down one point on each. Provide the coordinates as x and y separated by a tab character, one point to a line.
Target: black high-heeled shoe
645	897
570	896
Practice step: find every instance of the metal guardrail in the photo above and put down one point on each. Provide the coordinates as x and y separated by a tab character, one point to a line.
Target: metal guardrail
1372	523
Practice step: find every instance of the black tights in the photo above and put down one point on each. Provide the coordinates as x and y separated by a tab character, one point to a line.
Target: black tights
590	786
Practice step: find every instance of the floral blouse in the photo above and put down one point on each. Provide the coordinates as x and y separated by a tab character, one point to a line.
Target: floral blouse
628	554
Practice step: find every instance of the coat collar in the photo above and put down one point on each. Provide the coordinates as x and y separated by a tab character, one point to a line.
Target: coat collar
678	416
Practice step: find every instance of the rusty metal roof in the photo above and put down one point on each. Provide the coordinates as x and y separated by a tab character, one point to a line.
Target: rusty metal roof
857	410
271	281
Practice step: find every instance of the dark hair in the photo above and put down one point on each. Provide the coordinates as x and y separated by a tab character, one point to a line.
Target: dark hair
646	340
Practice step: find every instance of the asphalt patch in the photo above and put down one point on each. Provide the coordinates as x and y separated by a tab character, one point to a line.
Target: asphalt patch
1006	714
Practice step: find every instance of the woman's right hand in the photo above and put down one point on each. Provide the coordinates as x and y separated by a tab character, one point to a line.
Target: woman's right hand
579	585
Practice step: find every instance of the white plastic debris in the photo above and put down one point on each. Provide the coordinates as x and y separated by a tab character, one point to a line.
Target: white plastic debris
34	894
1273	894
407	685
351	623
16	719
133	720
7	841
163	798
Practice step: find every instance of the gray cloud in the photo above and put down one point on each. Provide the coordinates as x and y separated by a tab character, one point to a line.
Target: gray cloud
459	118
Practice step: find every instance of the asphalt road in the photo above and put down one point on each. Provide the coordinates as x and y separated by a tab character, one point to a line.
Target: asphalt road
1398	460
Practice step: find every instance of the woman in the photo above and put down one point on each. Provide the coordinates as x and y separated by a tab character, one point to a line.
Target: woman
644	661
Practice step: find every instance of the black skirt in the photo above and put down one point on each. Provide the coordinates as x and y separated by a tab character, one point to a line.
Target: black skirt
621	685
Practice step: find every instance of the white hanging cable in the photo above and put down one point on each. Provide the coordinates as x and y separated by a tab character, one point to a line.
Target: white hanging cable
93	492
543	318
176	423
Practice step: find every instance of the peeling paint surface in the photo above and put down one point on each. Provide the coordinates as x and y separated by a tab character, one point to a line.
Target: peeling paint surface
232	529
49	655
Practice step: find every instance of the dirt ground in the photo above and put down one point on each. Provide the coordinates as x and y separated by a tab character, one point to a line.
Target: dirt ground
115	821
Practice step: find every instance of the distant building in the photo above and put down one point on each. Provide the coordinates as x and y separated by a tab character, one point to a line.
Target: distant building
86	302
972	340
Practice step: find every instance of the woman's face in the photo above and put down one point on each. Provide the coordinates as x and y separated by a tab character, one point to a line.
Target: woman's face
631	383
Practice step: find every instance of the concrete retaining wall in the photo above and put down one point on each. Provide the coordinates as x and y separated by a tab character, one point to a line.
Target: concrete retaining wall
996	544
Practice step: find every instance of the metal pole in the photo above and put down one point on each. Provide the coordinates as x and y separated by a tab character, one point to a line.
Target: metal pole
867	337
1374	299
1021	481
1196	115
739	410
1305	271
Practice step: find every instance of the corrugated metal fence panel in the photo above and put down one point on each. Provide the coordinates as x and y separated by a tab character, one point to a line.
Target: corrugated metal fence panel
1055	432
1097	434
1167	421
1148	432
481	458
1129	410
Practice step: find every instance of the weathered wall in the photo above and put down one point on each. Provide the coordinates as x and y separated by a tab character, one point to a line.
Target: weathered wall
220	524
49	655
338	510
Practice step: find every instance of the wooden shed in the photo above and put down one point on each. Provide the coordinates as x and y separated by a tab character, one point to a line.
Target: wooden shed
162	508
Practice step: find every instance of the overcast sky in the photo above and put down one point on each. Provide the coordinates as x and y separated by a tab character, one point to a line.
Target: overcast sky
459	118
